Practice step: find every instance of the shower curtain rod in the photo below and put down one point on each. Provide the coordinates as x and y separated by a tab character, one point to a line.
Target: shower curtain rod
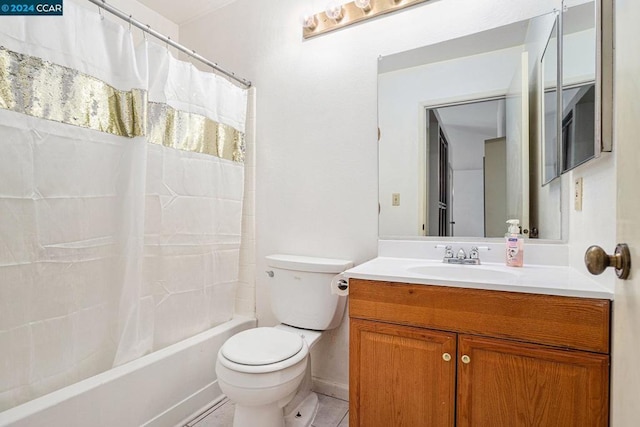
147	29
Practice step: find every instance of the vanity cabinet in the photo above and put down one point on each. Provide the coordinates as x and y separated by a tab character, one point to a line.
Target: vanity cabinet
441	356
405	375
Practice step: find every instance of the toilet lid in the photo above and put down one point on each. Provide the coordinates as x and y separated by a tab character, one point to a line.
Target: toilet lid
261	346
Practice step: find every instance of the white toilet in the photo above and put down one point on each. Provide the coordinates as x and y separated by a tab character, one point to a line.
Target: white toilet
266	372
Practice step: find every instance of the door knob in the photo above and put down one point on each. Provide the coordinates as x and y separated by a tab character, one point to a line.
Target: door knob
597	260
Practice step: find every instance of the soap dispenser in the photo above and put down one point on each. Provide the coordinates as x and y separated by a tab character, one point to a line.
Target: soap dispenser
515	244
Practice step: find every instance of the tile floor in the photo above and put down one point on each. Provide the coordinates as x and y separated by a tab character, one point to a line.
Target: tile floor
332	412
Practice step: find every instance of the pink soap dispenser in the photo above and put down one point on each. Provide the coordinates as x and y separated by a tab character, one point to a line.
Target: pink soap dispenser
515	244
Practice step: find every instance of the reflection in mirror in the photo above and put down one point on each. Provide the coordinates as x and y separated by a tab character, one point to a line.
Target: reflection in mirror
430	182
578	126
467	158
549	102
578	85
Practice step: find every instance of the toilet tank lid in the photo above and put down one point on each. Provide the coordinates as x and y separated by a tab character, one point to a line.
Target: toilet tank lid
309	264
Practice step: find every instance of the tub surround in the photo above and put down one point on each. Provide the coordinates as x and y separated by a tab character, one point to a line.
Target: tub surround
160	389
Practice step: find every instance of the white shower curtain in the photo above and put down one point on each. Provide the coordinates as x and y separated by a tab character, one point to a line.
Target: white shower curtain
121	183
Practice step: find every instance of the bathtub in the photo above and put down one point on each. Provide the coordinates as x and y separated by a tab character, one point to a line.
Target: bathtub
161	389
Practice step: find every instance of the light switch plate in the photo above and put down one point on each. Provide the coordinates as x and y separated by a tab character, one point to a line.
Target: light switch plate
395	199
577	191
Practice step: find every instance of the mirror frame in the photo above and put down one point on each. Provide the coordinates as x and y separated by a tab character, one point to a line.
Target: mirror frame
604	76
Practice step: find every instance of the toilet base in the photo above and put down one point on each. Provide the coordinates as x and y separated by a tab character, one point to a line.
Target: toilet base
272	416
304	413
269	416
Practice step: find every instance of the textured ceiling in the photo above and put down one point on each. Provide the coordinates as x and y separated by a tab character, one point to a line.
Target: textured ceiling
185	10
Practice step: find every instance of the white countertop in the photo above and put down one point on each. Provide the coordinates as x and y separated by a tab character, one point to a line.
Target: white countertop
534	279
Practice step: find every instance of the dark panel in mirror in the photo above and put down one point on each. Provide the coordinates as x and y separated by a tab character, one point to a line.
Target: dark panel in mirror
578	126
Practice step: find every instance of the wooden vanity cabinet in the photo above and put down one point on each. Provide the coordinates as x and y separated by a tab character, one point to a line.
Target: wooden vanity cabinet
517	384
440	356
403	375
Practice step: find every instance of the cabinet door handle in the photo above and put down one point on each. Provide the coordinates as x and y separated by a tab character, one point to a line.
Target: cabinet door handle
465	359
446	357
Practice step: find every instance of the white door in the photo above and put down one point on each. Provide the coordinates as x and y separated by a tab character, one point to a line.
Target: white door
625	390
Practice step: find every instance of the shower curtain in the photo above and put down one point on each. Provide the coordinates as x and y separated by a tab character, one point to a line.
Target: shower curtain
121	185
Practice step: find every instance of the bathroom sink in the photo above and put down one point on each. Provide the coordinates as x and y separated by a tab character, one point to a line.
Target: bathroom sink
464	272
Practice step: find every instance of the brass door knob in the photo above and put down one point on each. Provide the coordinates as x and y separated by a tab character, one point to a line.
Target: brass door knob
597	260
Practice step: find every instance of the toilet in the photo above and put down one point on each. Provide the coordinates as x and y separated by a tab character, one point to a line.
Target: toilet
266	371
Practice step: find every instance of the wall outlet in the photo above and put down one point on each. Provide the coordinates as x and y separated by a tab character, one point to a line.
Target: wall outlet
395	199
577	194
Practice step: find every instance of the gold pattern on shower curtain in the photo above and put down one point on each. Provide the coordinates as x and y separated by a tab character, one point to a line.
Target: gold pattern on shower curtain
42	89
193	132
39	88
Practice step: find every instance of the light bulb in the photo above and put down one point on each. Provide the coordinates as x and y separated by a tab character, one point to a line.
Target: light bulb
334	11
309	21
365	5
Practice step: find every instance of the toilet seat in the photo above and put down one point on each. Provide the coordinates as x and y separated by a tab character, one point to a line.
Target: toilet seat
261	346
261	350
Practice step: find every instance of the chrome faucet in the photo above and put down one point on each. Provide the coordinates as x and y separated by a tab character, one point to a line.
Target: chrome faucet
473	253
448	252
461	258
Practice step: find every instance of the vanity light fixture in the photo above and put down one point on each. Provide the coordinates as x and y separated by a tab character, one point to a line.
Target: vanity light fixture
337	15
309	22
334	11
365	5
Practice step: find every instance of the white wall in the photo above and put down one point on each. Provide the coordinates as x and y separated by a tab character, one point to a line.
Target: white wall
316	164
596	223
468	202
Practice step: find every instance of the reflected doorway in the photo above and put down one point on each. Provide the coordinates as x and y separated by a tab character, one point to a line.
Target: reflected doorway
466	169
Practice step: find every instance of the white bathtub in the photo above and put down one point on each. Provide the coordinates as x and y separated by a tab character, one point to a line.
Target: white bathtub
160	389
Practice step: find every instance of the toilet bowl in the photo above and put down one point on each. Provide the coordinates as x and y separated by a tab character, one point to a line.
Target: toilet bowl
266	371
261	371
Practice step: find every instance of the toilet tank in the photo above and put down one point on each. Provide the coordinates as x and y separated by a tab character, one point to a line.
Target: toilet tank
300	290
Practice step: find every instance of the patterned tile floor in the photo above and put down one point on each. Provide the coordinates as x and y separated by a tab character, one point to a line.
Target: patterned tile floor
332	412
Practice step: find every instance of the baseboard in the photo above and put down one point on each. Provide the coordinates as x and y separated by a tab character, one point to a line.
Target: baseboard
329	388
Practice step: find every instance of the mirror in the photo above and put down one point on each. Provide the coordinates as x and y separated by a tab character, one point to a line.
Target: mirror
549	107
578	65
430	100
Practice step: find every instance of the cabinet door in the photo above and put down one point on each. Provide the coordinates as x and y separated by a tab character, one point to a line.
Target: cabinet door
502	383
400	376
